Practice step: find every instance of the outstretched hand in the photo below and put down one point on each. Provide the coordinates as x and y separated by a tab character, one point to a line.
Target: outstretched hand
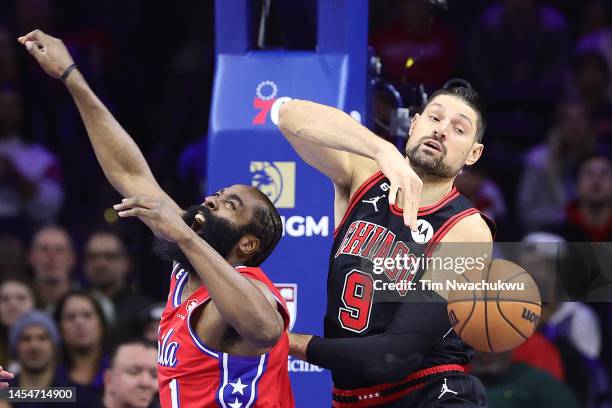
4	377
404	181
157	214
49	52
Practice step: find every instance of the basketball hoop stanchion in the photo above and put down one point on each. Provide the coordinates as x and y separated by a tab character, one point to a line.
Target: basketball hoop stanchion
245	145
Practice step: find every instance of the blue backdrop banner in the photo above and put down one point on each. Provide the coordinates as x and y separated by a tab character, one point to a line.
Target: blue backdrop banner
246	147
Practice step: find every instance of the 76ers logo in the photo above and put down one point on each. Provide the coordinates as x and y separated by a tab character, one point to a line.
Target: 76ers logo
166	351
267	102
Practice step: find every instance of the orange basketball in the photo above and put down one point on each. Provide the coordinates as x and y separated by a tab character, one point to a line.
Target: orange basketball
499	316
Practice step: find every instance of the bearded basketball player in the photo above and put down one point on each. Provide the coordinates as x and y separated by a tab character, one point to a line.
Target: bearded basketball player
222	337
392	351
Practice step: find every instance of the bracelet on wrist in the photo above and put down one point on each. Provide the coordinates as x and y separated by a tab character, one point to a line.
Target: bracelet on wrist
67	72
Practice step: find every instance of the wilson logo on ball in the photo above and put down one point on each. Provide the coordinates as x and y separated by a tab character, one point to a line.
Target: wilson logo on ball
530	316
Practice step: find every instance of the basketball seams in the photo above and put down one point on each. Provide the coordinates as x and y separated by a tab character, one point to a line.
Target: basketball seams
467	319
508	321
486	306
513	276
509	325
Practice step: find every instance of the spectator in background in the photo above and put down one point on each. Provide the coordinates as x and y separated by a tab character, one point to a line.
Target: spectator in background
16	298
596	31
148	321
519	55
131	379
515	385
592	82
573	327
589	217
52	259
416	33
479	188
539	352
35	342
547	184
85	338
12	256
107	265
30	175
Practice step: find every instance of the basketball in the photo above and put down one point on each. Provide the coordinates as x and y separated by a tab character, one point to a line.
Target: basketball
497	312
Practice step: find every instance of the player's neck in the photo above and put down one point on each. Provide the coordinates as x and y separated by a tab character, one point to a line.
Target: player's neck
434	190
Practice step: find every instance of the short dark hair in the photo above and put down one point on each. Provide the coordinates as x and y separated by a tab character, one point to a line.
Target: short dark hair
267	226
601	153
113	232
132	342
471	98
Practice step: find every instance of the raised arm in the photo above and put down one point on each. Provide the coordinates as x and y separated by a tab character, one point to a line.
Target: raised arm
329	140
120	158
244	304
347	152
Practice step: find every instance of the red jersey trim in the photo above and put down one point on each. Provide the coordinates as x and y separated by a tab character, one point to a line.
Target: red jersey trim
445	228
365	186
430	209
382	393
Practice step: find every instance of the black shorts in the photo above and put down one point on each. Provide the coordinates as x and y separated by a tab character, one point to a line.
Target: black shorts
462	390
441	388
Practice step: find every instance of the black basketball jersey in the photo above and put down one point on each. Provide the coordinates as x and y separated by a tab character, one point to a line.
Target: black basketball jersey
371	229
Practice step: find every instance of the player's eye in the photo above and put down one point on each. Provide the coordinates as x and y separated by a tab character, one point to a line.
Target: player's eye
232	205
434	118
459	130
217	194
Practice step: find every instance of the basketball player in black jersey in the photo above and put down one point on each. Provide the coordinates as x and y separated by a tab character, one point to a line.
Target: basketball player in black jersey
392	348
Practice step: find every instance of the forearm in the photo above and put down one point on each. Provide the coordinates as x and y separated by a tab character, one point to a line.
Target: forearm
329	127
418	326
117	153
241	304
382	358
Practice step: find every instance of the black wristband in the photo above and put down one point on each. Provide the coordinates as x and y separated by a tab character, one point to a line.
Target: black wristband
67	72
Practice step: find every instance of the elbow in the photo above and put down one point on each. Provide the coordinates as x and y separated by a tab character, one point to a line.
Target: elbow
266	336
287	116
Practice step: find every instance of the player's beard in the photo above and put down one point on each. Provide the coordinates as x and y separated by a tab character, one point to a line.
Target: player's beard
426	165
220	234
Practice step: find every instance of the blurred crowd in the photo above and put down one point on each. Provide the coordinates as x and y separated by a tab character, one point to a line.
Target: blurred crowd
78	284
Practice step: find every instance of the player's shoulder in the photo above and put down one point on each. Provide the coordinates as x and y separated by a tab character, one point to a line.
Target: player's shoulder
472	228
363	170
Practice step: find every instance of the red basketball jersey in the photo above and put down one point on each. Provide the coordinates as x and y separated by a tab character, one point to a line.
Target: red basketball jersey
193	375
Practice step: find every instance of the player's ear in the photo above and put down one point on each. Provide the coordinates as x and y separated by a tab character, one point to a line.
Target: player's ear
474	154
412	122
248	245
